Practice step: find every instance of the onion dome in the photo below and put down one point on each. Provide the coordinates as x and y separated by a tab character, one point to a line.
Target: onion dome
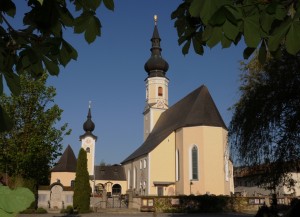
156	66
89	125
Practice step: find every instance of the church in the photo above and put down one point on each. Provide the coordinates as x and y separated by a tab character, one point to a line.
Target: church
184	152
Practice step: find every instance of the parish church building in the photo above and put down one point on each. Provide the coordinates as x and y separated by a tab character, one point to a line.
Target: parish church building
185	149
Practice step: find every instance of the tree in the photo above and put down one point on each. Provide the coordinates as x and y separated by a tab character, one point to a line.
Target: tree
41	44
265	128
30	147
262	23
82	189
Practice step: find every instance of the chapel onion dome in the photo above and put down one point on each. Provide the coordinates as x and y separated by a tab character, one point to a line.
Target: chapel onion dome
156	66
89	125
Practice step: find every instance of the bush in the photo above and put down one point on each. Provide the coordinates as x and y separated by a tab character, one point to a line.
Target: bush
40	210
68	210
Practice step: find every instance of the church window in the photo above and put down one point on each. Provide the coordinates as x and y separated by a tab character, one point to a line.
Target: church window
141	164
177	166
160	91
145	163
128	179
42	197
69	198
194	162
87	150
134	177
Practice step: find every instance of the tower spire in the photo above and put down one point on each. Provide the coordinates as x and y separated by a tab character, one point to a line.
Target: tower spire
156	66
89	125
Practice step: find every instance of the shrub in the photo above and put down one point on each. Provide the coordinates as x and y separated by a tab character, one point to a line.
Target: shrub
40	210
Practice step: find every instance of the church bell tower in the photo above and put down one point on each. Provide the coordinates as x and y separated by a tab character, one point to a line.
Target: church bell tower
156	84
88	141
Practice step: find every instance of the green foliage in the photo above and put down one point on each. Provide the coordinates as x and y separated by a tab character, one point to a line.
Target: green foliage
265	128
82	188
13	201
262	24
68	210
29	149
41	44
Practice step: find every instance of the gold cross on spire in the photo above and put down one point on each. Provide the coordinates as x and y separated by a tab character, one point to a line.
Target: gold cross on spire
155	19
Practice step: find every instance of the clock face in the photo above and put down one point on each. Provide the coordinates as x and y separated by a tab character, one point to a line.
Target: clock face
88	140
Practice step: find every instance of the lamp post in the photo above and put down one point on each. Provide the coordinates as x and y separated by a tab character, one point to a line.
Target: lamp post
191	183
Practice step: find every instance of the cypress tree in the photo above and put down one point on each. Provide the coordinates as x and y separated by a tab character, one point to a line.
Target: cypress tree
82	188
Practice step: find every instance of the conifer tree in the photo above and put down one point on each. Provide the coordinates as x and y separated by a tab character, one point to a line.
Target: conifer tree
82	189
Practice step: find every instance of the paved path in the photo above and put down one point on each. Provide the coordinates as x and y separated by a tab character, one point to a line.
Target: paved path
141	214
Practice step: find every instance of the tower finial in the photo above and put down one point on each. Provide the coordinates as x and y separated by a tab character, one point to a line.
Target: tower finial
90	102
155	19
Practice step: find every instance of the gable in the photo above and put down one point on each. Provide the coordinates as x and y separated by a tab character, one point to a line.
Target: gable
195	109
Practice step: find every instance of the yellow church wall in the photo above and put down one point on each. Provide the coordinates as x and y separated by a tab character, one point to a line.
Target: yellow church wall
64	177
211	144
162	165
181	176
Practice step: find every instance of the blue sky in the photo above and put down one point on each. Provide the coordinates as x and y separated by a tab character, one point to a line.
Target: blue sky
110	73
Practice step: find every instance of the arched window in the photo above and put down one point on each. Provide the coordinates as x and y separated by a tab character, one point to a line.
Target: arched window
177	166
128	179
88	150
72	183
160	91
116	189
194	162
134	177
145	163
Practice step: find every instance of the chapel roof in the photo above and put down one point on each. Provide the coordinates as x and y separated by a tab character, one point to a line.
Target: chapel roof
110	172
67	162
195	109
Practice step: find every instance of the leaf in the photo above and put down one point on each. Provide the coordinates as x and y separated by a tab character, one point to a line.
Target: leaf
247	52
231	31
292	38
51	66
225	42
205	9
218	18
278	35
281	12
197	44
252	30
5	121
186	47
207	33
67	53
66	17
215	38
13	82
8	7
109	4
81	23
266	22
262	54
93	29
